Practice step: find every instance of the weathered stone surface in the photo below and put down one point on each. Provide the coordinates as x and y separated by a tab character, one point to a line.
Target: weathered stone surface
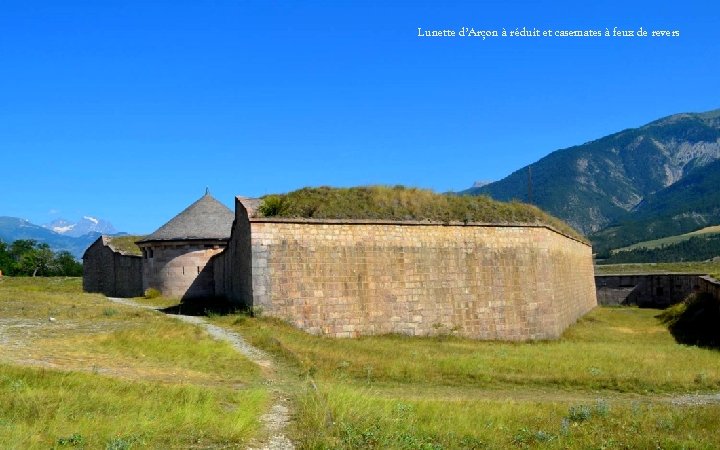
111	273
652	290
351	278
344	279
180	269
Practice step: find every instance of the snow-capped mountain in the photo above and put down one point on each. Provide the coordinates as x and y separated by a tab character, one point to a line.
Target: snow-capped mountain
83	226
13	228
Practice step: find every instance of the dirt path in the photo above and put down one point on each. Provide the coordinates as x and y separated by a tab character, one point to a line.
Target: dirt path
276	420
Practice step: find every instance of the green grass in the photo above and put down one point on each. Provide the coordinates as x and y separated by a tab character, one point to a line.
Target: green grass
102	374
712	268
53	285
593	354
655	243
41	408
360	418
401	203
126	244
447	392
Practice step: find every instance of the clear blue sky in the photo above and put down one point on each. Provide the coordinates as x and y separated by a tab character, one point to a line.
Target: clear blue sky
127	110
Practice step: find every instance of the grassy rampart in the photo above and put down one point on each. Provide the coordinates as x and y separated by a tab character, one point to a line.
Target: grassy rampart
402	203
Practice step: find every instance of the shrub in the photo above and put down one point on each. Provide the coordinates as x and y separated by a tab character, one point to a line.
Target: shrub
579	413
74	440
695	320
602	408
271	206
152	293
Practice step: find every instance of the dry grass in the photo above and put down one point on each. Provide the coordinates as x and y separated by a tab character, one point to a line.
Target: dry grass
108	372
401	203
608	383
593	354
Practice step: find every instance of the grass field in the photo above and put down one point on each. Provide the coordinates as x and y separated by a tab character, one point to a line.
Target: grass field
610	382
101	375
712	268
671	239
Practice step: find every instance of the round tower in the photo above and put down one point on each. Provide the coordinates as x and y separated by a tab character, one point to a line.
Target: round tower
176	257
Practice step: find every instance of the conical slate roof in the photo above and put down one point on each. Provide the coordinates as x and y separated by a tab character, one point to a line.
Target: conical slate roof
207	218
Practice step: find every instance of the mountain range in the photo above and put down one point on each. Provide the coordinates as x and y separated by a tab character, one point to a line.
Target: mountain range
72	237
85	225
660	179
642	183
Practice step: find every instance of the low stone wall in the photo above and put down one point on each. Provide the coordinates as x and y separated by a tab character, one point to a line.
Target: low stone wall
111	273
352	278
710	285
645	290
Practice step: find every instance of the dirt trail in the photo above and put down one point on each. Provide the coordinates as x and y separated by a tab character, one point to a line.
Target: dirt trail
276	420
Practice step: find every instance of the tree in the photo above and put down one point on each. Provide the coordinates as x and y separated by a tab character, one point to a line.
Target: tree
6	260
66	265
27	257
37	261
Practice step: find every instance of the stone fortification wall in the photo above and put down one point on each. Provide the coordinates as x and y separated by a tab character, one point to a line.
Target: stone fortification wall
652	290
645	290
345	279
235	262
111	273
710	285
180	269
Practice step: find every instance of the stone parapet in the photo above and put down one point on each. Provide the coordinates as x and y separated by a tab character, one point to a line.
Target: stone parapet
352	278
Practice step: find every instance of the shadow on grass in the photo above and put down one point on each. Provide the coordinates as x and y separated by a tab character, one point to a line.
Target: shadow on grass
205	307
695	321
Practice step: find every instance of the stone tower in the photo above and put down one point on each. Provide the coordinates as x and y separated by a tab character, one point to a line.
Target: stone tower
176	255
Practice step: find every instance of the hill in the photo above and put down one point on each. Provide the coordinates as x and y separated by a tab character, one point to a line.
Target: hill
670	240
401	203
688	205
620	176
696	248
13	228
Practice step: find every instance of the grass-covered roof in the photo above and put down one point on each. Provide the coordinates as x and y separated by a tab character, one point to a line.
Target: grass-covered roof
402	203
125	244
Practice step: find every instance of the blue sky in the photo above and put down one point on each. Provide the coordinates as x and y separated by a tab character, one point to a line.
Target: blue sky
127	110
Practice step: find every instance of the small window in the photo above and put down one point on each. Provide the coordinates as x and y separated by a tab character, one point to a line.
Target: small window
659	291
150	253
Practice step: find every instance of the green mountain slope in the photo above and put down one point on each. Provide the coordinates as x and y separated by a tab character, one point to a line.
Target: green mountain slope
672	240
598	183
690	204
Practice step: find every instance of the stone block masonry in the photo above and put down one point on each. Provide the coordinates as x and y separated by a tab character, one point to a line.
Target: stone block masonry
353	278
181	269
646	290
110	272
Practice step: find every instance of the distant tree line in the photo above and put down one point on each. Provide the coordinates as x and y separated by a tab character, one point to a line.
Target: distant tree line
30	258
693	249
